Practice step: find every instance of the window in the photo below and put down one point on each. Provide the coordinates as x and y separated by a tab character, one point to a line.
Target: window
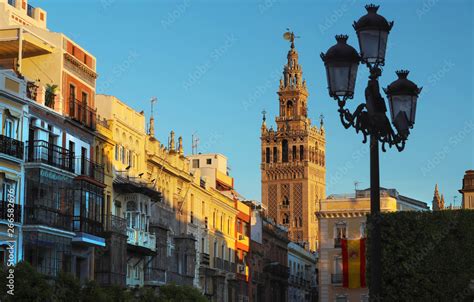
267	155
286	201
294	153
341	230
340	233
286	219
196	163
301	152
202	245
117	152
289	108
209	161
284	152
275	154
9	128
72	92
84	98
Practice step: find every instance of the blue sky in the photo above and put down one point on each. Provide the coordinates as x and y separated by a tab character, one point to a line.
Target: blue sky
214	65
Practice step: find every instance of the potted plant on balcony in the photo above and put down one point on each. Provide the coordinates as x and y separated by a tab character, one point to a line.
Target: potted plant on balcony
50	95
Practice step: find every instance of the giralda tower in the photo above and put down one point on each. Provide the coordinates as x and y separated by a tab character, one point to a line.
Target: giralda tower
293	158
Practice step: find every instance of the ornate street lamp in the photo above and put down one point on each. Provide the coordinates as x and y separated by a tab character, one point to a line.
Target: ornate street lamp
372	31
369	118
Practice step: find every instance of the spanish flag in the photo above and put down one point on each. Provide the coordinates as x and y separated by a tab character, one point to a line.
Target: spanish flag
353	263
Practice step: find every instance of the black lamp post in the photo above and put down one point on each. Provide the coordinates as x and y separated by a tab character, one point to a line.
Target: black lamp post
369	118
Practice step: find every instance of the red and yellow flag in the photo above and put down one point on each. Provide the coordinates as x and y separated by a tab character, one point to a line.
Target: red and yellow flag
353	263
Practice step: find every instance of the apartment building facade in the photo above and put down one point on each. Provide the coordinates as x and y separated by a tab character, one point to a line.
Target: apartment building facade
343	217
63	186
14	132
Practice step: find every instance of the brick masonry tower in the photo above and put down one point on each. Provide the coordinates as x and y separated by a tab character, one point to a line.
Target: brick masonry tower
293	158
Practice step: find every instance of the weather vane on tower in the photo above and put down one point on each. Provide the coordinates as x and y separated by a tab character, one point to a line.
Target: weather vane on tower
290	36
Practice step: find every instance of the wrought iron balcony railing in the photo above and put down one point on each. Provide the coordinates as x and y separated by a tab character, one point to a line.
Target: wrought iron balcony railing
90	169
115	224
42	215
53	155
83	113
11	146
10	210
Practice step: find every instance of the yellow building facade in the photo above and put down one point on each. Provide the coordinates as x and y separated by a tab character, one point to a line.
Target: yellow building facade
180	223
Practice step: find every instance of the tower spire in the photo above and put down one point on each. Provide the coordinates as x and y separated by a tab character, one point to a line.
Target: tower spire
292	91
436	204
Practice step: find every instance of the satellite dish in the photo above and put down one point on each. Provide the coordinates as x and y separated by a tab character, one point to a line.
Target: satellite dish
287	36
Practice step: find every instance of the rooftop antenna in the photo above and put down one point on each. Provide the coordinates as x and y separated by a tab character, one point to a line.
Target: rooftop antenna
321	120
151	130
454	201
153	101
194	143
356	184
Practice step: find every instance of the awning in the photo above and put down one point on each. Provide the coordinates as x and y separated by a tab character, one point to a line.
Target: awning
32	44
125	185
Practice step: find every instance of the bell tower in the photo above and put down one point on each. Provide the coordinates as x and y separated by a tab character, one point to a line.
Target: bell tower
293	158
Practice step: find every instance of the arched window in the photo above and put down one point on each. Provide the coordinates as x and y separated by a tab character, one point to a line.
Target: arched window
267	155
284	152
294	153
275	154
286	219
289	108
301	152
286	201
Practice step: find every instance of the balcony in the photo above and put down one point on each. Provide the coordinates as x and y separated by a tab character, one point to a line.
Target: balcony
50	154
218	263
7	208
115	224
82	113
243	239
43	95
11	146
336	278
90	169
47	216
85	225
141	239
205	259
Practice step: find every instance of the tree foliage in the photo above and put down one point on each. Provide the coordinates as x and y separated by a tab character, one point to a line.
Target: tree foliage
31	286
426	256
